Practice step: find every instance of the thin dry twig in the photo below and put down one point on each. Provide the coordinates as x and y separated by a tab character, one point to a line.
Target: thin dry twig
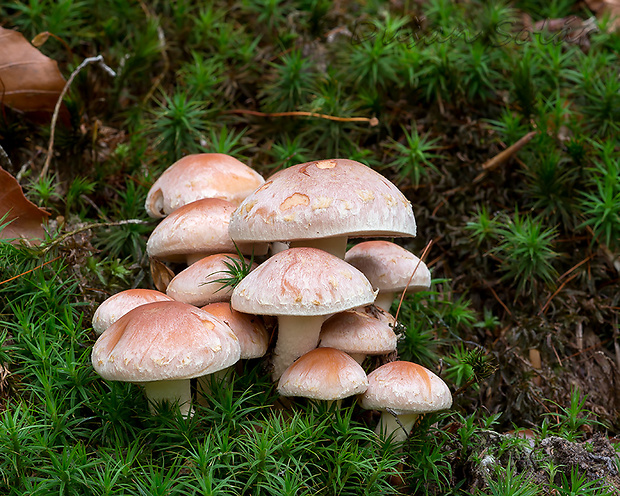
87	227
89	60
373	121
28	271
503	156
422	257
544	308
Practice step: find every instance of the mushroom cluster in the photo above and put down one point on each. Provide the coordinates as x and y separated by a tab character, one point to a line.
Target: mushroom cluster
321	295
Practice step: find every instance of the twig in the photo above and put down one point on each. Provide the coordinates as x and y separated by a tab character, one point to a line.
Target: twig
28	271
544	308
498	299
420	260
503	156
60	239
373	121
90	60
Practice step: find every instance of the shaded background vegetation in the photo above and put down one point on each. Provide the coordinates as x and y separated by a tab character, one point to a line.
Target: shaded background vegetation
524	255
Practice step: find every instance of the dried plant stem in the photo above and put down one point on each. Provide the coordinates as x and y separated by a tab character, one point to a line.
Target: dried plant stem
503	156
164	53
373	121
422	257
5	161
87	227
28	271
89	60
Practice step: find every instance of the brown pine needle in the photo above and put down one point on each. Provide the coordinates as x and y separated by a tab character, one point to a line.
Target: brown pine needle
544	308
503	156
373	121
28	271
422	257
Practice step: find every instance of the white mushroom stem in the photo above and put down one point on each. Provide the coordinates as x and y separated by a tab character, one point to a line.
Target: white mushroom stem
389	424
174	391
337	246
296	337
358	357
384	300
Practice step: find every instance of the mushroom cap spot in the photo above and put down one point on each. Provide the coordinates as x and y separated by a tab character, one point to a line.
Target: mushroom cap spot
119	304
183	232
323	374
355	332
405	387
164	340
202	175
389	266
252	335
302	281
197	284
337	197
294	200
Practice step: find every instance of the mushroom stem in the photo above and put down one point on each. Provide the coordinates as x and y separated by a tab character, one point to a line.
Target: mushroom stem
337	246
296	337
358	357
174	391
388	425
384	300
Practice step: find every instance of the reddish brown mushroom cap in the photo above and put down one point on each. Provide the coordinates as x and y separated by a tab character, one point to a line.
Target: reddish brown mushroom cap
119	304
252	335
204	175
197	284
323	374
196	230
323	199
164	340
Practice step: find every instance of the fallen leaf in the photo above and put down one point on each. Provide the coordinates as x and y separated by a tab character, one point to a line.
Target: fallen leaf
607	7
26	219
161	274
29	80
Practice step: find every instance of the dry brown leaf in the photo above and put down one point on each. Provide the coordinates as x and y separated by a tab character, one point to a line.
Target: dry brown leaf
607	7
29	81
26	219
162	275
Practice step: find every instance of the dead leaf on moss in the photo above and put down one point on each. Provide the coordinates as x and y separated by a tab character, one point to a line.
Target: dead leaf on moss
607	7
26	219
29	80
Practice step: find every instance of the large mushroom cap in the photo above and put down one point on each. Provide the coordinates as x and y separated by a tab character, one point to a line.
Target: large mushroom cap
327	198
119	304
195	230
203	175
323	374
164	340
405	388
389	266
302	281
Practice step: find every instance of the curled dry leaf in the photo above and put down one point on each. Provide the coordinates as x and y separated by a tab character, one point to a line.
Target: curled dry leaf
29	81
162	275
26	219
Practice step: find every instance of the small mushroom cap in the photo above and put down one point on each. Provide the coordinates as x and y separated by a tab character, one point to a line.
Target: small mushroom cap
196	284
203	175
405	387
358	333
389	266
302	281
164	340
323	374
252	335
323	199
199	227
119	304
